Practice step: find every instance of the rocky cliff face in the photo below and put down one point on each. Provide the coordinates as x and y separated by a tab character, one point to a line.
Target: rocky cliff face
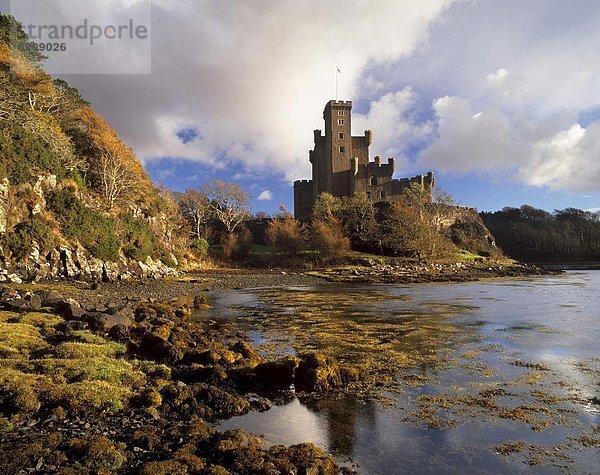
68	258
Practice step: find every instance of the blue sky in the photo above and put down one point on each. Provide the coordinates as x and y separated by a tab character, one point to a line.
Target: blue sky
500	98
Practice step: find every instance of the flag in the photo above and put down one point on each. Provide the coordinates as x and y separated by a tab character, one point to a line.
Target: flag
338	70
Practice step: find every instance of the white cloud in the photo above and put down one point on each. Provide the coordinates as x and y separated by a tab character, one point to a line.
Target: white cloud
253	77
558	154
495	88
265	196
394	127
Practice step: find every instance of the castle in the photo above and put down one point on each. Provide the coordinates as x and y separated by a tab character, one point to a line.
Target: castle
341	165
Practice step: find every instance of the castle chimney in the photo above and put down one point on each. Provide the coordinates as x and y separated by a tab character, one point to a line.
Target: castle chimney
377	161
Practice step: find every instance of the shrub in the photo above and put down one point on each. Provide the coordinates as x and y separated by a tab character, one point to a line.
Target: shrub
96	232
238	245
37	230
328	237
138	239
23	153
285	234
199	246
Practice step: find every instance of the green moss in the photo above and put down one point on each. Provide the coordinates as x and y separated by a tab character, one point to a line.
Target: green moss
99	454
39	320
166	467
19	391
114	371
85	336
98	395
19	339
79	350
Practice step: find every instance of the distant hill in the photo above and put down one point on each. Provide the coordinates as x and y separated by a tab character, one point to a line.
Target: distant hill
74	199
532	234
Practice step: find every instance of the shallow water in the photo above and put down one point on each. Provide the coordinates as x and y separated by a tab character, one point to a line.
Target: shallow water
464	368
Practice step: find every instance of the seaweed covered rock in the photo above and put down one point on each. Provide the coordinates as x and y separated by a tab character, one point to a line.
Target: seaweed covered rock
276	374
224	404
250	356
156	348
303	459
317	372
197	373
99	454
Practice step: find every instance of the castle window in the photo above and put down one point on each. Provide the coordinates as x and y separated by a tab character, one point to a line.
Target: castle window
341	135
340	121
340	112
373	180
382	195
342	149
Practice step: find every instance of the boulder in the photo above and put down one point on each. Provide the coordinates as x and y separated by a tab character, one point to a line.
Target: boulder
69	309
201	356
119	333
156	348
34	301
50	298
197	373
250	356
276	374
319	373
224	404
103	322
16	304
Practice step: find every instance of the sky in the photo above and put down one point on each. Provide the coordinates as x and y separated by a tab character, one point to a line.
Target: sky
499	98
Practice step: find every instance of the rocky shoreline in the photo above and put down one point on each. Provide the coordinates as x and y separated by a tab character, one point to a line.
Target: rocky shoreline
191	283
114	377
432	272
134	388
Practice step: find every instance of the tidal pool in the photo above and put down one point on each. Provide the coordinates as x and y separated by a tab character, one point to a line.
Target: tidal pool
485	377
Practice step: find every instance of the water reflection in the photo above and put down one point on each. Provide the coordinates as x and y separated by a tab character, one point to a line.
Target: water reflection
343	417
466	367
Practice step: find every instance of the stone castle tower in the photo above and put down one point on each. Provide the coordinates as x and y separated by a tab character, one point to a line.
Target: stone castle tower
341	165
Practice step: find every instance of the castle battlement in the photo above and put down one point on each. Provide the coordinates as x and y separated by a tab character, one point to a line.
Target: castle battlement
339	103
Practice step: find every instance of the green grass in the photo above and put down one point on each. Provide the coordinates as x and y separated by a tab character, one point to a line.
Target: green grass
79	350
19	339
84	373
260	250
467	255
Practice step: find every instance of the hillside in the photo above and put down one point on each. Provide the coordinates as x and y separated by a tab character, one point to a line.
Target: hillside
74	199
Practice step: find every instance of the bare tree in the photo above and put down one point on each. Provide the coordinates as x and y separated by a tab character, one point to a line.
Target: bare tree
116	178
229	203
196	206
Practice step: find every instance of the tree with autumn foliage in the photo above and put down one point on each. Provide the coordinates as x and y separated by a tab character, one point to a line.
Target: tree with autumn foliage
285	234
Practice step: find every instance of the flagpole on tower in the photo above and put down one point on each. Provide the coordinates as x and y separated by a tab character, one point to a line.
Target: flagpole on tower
337	73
